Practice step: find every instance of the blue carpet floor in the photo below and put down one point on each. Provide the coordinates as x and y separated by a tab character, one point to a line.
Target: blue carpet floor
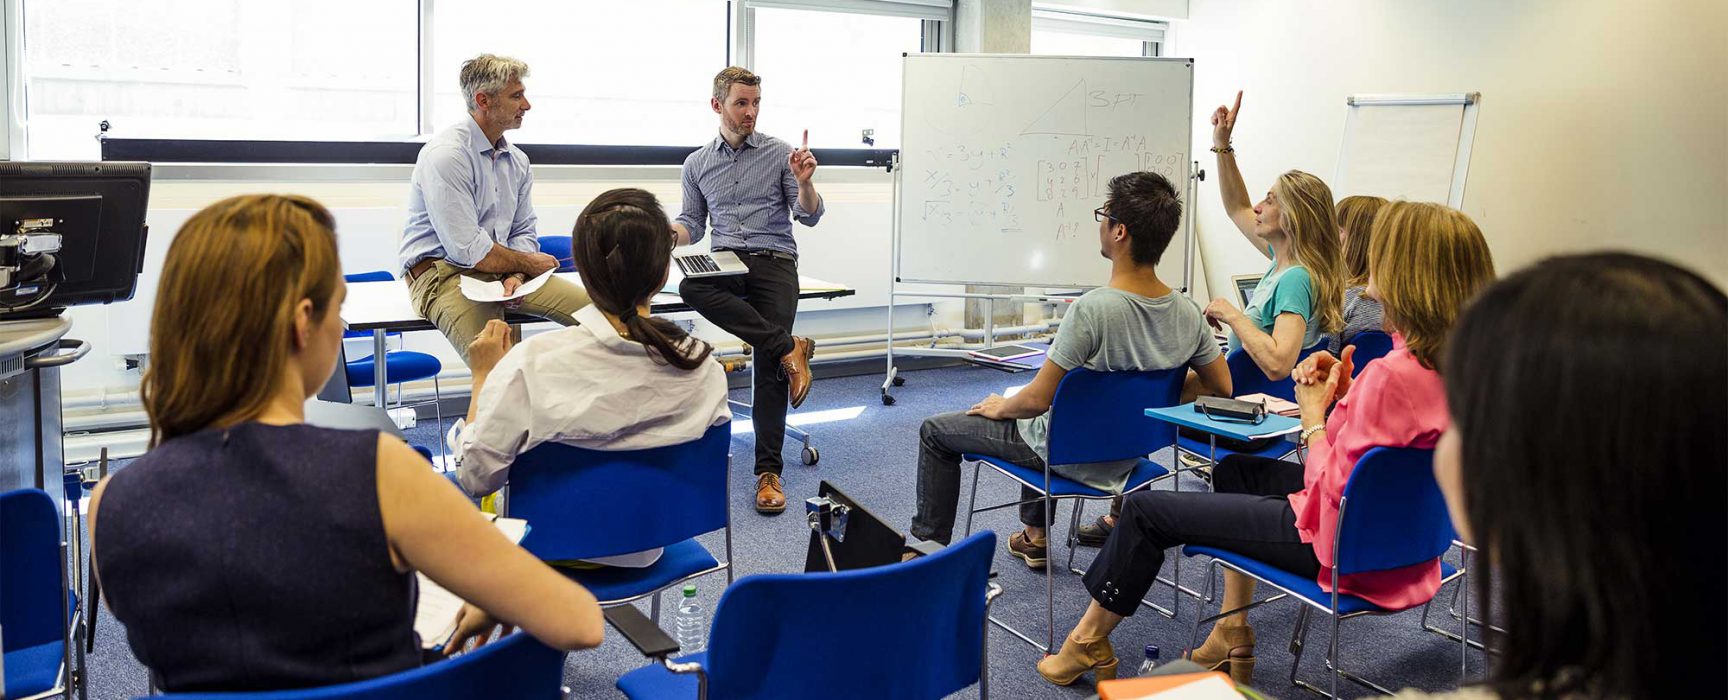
869	451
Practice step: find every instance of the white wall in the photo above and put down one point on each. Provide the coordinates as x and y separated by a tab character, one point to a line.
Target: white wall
1603	123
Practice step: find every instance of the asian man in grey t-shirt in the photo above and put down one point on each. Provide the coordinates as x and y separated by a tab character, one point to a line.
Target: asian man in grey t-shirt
1135	323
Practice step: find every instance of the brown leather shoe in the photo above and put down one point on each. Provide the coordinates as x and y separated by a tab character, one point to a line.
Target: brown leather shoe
770	498
796	366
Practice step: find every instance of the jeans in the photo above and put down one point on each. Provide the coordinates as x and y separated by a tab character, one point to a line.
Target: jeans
941	441
759	308
1248	512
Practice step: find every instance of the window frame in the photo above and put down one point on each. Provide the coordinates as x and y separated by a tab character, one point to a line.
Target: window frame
1154	35
938	27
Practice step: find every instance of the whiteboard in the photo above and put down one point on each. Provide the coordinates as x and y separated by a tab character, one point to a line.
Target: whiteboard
1003	159
1409	147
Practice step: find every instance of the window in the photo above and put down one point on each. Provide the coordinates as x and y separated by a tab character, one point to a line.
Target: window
836	74
1053	43
216	69
629	73
1063	33
619	73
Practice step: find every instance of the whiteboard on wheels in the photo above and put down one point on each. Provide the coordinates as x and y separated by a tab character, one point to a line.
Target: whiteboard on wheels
1004	159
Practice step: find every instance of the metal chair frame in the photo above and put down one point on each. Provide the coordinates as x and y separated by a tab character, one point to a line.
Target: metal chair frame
1299	633
1051	504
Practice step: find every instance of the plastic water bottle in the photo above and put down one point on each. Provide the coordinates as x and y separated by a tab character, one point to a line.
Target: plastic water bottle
1151	661
691	624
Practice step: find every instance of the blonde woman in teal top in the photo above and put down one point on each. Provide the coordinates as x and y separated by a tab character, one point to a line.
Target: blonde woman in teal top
1299	298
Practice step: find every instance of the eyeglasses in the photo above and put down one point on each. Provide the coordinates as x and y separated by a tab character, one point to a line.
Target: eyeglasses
1100	215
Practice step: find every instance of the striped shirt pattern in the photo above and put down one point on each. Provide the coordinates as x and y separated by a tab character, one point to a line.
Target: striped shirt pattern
744	195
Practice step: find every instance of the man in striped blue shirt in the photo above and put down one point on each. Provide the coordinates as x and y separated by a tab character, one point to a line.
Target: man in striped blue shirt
743	184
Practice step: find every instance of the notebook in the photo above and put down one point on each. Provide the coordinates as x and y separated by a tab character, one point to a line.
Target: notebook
435	618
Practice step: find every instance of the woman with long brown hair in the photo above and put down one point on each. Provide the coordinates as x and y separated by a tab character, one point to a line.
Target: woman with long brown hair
1298	299
1355	228
250	551
620	380
1585	462
1427	261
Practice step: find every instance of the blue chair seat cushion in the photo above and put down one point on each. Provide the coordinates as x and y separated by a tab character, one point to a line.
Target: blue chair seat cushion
614	583
33	670
1144	471
1301	586
655	681
405	366
1204	448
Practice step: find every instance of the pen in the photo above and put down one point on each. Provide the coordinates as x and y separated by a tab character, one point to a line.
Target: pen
806	139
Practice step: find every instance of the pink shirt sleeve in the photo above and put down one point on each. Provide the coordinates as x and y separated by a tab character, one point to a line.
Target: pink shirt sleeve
1394	403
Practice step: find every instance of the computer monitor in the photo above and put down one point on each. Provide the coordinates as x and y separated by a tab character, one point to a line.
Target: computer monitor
71	233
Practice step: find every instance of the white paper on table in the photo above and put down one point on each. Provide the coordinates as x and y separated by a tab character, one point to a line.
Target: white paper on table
435	618
479	290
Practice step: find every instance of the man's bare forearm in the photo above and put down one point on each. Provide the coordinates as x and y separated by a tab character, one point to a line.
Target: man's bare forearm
504	260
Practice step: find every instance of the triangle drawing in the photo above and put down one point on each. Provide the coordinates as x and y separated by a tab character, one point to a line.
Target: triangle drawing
1066	117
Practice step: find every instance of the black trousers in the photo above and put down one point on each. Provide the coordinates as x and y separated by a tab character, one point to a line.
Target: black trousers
759	308
1248	512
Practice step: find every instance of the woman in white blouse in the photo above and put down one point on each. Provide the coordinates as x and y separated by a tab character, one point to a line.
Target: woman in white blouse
622	380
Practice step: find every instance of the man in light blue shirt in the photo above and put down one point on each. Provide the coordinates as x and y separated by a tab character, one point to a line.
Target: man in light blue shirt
743	184
470	214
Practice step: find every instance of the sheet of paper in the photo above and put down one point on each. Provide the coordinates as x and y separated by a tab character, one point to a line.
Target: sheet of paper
1212	688
479	290
435	619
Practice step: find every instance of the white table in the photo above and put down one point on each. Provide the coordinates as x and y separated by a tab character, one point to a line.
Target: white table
384	307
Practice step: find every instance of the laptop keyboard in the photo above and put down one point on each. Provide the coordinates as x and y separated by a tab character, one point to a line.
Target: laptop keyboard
696	264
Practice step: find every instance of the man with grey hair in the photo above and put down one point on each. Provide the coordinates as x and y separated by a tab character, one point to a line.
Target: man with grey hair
469	213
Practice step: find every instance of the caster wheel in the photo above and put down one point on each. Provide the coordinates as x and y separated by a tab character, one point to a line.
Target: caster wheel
887	400
811	456
899	381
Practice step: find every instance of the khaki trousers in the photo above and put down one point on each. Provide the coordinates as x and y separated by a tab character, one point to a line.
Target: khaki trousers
437	296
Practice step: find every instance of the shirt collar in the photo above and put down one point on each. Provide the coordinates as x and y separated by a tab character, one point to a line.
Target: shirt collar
754	140
477	138
595	322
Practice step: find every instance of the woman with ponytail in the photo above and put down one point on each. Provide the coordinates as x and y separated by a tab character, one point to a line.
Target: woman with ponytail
621	380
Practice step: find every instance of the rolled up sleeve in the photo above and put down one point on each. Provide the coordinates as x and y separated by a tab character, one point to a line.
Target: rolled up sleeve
693	215
447	184
499	432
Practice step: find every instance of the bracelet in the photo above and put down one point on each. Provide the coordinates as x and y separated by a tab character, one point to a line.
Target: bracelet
1226	149
1309	433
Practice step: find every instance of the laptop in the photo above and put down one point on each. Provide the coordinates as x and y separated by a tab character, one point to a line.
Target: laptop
716	264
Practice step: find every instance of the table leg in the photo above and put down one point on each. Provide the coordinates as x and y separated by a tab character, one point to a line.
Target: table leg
380	368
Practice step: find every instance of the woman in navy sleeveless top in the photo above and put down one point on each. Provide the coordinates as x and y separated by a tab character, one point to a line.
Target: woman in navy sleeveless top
249	551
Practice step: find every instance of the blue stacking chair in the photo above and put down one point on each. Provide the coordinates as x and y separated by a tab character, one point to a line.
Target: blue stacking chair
1391	516
559	247
517	667
1370	346
909	630
1094	417
583	504
1247	378
43	654
403	365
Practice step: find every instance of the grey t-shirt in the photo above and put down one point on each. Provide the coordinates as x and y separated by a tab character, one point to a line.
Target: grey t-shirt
1110	330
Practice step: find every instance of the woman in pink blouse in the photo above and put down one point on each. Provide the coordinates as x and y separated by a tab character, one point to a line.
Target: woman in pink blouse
1427	260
